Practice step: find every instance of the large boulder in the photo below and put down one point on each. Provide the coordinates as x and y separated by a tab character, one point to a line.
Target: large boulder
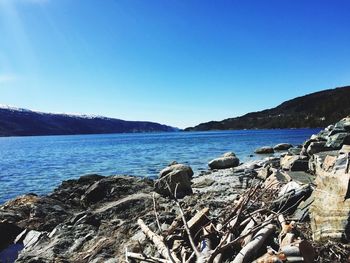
343	124
227	160
264	150
316	147
316	161
176	167
317	140
96	192
282	146
294	163
330	211
338	140
176	177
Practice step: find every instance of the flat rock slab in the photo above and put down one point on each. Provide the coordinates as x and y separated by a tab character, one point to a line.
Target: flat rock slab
301	177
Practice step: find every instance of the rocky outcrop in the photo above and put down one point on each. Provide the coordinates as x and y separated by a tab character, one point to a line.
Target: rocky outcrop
294	163
227	160
330	211
83	220
174	177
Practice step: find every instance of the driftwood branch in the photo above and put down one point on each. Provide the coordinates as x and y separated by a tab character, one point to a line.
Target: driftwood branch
258	240
158	242
144	258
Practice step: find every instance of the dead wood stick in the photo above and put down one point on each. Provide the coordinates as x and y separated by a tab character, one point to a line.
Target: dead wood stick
156	214
175	224
248	227
143	258
248	251
241	203
158	242
199	219
193	245
222	247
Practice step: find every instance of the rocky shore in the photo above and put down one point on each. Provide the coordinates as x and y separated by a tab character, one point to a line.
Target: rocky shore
95	218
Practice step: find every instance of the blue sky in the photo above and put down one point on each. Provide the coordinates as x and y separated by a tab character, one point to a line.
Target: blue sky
173	62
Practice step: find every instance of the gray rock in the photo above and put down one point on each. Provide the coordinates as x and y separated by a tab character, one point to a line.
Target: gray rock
294	163
177	177
204	183
330	210
338	140
227	160
31	238
329	128
98	233
343	124
316	147
282	146
294	150
176	167
264	150
335	131
95	192
316	161
344	149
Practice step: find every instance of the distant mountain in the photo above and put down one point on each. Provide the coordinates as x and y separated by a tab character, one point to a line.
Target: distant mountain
318	109
23	122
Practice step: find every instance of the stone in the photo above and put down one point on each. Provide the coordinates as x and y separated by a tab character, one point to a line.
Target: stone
329	162
329	128
343	124
282	146
294	150
185	169
302	211
229	154
177	177
301	177
227	160
32	237
330	211
204	183
264	150
344	149
96	234
294	163
288	187
308	142
276	178
315	147
338	140
336	131
316	160
264	172
95	192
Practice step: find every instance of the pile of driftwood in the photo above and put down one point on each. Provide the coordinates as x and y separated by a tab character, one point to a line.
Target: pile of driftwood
254	228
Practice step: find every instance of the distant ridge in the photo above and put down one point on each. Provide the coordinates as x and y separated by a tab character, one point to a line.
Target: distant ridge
23	122
317	109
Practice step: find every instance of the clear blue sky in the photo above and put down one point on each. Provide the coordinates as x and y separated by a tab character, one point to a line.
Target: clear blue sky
174	62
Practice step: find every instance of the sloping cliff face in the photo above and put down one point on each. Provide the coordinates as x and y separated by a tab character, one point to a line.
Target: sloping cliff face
313	110
22	122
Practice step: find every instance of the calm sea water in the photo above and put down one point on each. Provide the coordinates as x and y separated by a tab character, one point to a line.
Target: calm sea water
39	164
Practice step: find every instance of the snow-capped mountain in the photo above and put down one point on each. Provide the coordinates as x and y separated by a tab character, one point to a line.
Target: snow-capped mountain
16	121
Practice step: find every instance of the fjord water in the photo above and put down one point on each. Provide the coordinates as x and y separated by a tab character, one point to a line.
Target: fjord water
39	164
